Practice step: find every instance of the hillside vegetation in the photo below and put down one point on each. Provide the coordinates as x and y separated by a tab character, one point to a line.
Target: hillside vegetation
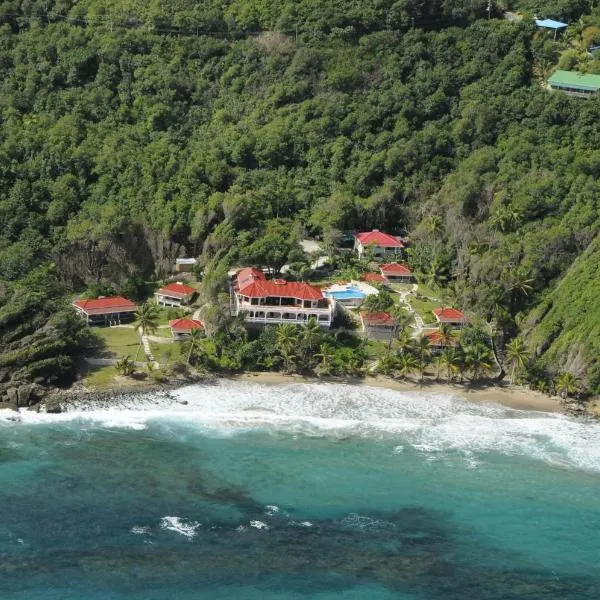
136	132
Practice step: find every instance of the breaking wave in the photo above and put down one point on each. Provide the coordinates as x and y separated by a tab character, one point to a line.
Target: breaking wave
433	424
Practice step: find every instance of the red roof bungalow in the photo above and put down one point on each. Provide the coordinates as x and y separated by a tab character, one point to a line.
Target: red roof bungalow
436	343
382	244
276	301
452	316
374	278
396	272
175	294
378	325
181	328
110	310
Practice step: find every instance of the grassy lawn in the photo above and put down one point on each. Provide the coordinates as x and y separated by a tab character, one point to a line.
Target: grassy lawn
401	287
375	348
119	341
166	314
429	291
424	307
166	354
100	378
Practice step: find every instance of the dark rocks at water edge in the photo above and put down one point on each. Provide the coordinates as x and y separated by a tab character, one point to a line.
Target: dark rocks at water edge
14	395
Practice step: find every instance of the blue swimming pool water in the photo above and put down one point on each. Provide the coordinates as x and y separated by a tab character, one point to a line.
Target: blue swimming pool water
347	294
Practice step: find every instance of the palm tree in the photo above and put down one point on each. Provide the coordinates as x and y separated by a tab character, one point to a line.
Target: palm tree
439	362
423	354
404	342
446	334
326	355
146	321
517	356
386	365
310	340
287	342
403	320
194	342
453	359
125	366
406	364
478	359
566	384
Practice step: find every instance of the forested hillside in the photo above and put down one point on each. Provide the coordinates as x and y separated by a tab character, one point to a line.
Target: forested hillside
136	132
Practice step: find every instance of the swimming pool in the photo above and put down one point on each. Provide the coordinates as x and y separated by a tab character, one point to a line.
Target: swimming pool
349	293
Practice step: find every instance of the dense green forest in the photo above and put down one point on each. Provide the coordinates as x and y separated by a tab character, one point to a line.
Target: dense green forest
132	133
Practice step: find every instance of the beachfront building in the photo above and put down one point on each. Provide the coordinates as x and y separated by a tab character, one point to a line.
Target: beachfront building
378	325
452	316
181	328
436	341
380	243
175	294
396	272
276	301
374	278
110	310
573	83
185	265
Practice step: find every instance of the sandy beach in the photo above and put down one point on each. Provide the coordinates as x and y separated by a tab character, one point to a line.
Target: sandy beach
507	395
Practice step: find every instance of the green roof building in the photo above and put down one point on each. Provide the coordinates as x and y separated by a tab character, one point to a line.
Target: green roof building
574	83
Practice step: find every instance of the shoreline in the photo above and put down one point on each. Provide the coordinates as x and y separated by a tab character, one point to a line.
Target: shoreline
511	396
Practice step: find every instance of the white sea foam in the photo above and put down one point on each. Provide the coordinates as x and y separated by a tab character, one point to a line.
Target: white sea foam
435	425
140	530
185	528
259	525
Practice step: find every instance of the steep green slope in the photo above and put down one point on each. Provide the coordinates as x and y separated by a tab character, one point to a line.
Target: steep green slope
565	328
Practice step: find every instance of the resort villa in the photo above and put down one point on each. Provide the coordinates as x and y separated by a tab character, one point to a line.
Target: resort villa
573	83
278	301
175	294
382	244
112	310
396	273
436	341
378	325
374	278
181	328
452	316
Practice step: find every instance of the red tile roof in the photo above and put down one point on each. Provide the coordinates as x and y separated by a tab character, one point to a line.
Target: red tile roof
373	277
377	318
395	269
110	304
435	339
185	324
248	275
449	315
252	283
378	238
177	290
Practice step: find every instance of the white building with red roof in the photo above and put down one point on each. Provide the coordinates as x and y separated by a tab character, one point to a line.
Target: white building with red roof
278	301
451	316
437	341
377	278
181	328
396	272
378	325
175	294
110	310
382	244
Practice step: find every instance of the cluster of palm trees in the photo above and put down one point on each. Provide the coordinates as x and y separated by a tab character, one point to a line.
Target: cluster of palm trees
407	355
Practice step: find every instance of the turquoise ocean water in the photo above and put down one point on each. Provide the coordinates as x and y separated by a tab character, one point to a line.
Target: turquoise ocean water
300	491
